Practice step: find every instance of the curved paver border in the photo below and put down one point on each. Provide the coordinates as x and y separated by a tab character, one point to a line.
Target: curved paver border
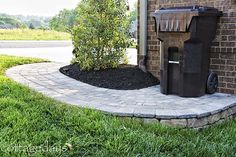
148	104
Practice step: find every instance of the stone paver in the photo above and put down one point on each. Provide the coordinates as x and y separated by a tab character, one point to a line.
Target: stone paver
146	103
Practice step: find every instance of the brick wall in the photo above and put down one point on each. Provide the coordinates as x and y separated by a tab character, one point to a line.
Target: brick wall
223	51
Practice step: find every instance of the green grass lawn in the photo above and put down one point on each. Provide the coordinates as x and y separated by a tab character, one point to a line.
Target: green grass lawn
29	120
29	34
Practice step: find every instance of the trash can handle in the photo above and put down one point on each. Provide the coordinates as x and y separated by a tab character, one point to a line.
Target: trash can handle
174	62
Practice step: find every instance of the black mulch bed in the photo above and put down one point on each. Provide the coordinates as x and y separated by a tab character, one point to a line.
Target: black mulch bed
126	77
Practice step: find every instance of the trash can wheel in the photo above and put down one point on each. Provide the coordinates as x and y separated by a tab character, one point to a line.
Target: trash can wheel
212	83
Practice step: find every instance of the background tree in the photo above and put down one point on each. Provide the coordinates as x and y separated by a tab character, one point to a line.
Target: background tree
101	35
31	26
37	23
21	22
10	22
134	13
64	21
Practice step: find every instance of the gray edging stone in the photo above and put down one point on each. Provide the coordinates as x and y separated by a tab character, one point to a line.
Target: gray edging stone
199	121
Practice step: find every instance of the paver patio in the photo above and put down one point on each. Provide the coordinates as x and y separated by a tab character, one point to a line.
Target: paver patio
147	103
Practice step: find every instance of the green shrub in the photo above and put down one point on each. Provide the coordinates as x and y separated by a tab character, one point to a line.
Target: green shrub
100	36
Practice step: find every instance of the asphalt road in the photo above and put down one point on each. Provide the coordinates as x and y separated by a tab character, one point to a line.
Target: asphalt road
34	44
57	51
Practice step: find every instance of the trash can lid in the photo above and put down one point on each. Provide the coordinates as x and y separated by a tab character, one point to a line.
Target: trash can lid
178	19
201	10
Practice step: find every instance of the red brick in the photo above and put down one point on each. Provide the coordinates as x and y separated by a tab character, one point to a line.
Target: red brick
223	51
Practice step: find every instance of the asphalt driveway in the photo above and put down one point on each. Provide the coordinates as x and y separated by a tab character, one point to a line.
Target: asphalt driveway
57	51
34	44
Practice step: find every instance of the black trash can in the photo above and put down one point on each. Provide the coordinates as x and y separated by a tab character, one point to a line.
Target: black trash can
186	34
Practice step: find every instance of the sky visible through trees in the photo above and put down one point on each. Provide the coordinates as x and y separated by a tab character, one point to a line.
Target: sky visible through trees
38	7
